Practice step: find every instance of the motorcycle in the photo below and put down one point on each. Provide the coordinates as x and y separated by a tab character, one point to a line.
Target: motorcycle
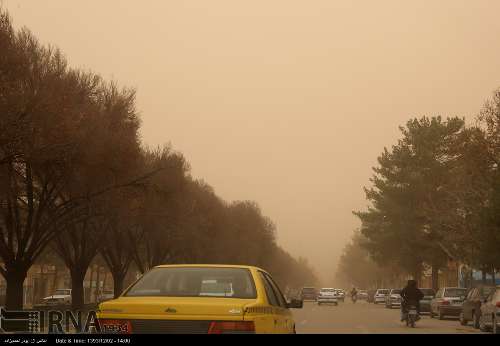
411	316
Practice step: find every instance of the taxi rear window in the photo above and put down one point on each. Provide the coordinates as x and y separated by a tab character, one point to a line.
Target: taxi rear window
195	282
455	292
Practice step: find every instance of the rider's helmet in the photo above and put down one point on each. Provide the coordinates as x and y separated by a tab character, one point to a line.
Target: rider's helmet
412	283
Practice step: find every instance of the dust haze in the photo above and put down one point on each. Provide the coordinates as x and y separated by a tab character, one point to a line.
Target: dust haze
284	102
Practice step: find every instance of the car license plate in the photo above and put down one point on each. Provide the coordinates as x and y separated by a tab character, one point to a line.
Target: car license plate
413	312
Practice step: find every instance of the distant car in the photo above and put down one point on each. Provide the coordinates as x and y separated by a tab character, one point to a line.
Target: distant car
363	295
425	303
308	293
490	312
471	308
327	296
340	294
448	302
393	299
61	296
380	295
371	295
106	295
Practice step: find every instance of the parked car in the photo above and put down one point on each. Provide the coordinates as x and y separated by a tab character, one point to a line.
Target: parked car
448	302
393	299
471	309
340	294
425	303
380	295
363	295
61	296
309	293
371	296
328	296
490	312
106	295
174	299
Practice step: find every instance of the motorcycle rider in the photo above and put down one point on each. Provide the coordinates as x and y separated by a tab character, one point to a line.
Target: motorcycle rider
410	295
354	294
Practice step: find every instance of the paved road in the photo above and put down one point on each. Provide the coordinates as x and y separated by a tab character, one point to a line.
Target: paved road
364	318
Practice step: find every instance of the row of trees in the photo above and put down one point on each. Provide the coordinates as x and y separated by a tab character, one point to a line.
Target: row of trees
435	196
76	181
357	268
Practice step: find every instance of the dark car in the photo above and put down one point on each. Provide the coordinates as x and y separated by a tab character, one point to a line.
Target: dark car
448	302
309	293
471	309
425	303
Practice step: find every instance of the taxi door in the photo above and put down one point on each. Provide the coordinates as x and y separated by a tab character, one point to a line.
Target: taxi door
281	318
286	314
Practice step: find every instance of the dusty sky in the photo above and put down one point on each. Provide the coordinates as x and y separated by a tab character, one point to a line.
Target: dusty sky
284	102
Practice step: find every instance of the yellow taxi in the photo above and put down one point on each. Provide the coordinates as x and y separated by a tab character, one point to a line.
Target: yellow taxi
200	299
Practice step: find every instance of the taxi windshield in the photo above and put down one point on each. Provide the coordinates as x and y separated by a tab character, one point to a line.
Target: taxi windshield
195	282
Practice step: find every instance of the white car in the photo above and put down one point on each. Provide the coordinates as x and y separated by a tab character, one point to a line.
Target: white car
340	294
60	297
380	295
363	295
490	313
327	296
393	299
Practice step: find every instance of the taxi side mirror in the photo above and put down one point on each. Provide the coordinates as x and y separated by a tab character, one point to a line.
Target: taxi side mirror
295	304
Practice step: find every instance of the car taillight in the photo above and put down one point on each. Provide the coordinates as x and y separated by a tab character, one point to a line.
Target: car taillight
115	326
445	302
498	304
221	327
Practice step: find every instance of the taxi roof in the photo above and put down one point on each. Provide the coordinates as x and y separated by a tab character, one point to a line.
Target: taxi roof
209	266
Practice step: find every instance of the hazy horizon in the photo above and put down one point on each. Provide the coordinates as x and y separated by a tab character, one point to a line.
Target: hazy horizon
284	102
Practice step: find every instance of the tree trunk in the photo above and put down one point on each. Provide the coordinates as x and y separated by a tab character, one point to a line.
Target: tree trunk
118	278
104	280
97	284
77	294
54	281
14	277
471	283
42	279
417	275
483	276
89	291
435	277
